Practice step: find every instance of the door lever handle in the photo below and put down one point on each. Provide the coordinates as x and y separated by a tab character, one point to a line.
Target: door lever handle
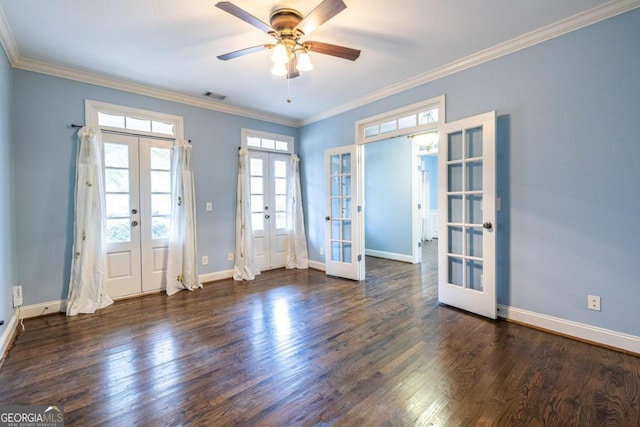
327	218
487	225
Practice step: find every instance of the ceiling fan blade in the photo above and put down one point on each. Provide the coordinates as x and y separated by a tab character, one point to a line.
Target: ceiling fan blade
333	50
321	14
244	15
292	70
245	51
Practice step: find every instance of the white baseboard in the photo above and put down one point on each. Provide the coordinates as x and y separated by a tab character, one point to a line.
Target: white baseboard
9	330
581	331
389	255
35	310
216	275
317	265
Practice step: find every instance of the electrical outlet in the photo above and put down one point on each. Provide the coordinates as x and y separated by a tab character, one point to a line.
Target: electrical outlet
17	296
230	256
205	260
209	206
321	250
594	302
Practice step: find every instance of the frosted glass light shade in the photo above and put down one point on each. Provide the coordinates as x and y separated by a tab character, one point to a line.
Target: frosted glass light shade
304	62
280	55
279	69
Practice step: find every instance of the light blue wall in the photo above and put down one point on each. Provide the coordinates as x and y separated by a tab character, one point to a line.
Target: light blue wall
7	213
45	150
387	192
430	164
568	168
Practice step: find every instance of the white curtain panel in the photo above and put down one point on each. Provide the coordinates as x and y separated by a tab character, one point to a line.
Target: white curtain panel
297	252
246	267
182	271
87	285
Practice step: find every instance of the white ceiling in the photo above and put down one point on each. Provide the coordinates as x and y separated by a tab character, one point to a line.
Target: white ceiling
173	44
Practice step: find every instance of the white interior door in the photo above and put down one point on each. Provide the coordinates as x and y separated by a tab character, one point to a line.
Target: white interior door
269	177
138	204
467	201
124	275
343	219
155	209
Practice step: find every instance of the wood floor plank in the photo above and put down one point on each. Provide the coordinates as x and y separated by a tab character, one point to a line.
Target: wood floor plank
298	348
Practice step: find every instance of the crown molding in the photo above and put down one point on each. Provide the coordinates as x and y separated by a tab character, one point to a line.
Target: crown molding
140	89
581	20
557	29
17	61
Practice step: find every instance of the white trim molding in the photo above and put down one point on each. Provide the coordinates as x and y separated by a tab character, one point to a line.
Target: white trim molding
581	20
569	328
215	276
40	309
141	89
7	335
557	29
317	265
389	255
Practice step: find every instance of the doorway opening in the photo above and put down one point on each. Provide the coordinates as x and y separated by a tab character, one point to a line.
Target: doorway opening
396	219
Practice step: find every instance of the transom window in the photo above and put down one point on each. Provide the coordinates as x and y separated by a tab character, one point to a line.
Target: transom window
414	118
256	140
133	120
133	123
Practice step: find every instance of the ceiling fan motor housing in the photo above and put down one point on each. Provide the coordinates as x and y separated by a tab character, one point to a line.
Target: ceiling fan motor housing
284	21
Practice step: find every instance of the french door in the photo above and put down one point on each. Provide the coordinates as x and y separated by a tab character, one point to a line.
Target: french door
467	202
269	182
343	216
137	175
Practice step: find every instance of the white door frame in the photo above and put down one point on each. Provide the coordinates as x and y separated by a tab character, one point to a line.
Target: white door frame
172	128
363	138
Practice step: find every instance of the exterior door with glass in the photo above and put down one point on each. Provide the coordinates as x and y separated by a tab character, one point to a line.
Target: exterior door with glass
137	175
467	202
343	218
269	178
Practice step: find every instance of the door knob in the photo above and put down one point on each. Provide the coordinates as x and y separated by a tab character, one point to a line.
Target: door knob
267	216
327	218
134	223
134	211
487	225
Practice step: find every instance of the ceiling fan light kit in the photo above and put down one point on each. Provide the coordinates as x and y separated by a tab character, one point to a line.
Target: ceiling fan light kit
289	28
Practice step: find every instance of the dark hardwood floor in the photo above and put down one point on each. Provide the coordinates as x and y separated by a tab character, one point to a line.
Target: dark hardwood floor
300	348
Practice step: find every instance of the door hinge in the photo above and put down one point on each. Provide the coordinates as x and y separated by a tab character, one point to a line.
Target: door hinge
359	208
419	206
419	244
359	257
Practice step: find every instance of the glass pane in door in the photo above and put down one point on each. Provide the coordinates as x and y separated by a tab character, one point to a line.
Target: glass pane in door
160	165
465	170
280	193
341	207
256	188
117	192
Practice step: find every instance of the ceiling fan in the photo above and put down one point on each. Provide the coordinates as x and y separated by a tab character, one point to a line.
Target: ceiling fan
289	28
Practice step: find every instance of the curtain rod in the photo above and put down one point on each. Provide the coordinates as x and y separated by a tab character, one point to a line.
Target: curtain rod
73	125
